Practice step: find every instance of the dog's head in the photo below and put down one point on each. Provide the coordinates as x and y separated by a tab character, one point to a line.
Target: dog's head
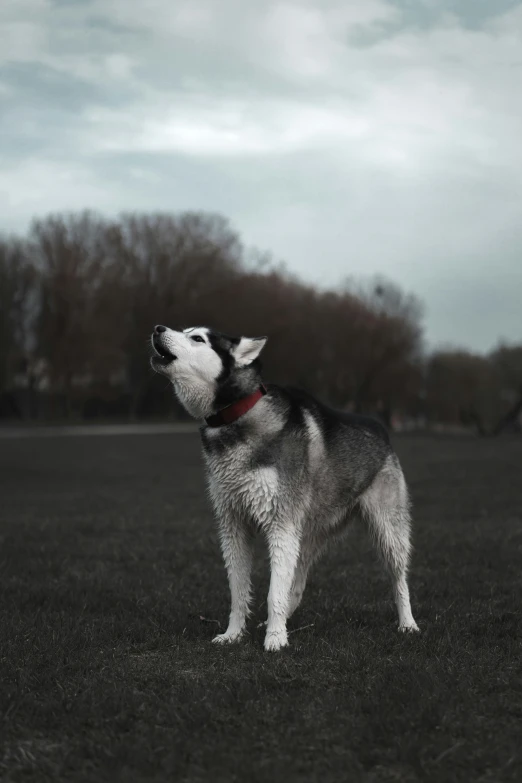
207	369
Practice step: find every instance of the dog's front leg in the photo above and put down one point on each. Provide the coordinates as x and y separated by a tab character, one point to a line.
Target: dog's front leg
283	546
237	547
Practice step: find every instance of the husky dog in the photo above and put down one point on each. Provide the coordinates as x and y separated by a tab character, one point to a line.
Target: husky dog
280	462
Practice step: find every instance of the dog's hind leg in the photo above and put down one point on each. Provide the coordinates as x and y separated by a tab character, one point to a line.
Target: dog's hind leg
311	549
386	508
314	543
237	541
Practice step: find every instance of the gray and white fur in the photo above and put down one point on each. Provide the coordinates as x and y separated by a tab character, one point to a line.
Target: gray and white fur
290	467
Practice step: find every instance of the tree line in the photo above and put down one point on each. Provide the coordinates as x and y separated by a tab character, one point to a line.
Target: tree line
80	293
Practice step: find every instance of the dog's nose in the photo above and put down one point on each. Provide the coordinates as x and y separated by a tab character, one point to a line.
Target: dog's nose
158	329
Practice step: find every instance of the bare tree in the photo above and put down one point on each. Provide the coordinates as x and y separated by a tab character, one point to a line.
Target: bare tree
507	362
70	255
462	387
388	357
17	279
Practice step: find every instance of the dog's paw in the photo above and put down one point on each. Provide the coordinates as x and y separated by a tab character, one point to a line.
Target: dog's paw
411	628
229	637
275	640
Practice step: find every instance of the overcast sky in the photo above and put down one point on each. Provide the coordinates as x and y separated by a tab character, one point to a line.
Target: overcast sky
348	137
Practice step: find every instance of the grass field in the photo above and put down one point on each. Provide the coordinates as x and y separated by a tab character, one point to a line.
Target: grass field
112	587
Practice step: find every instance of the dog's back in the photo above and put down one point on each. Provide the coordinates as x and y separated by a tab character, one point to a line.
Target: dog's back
332	416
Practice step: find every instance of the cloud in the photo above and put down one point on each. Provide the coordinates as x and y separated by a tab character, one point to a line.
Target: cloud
348	137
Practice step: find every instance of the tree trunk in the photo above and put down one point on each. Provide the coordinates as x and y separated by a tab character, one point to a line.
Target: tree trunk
510	417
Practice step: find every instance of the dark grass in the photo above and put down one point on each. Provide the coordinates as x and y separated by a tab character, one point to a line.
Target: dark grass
110	562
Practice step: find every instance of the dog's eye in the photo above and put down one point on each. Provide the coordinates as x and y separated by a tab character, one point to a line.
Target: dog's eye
197	338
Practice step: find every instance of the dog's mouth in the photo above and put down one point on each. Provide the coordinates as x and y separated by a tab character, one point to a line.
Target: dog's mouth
163	355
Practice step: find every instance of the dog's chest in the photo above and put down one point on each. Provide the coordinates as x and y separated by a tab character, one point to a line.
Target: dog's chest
238	486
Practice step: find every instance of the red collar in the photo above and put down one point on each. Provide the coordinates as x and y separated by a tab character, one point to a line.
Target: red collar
232	412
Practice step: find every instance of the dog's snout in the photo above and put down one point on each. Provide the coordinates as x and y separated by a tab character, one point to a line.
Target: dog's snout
159	329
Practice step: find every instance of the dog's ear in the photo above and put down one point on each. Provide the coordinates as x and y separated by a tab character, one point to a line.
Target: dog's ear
248	349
